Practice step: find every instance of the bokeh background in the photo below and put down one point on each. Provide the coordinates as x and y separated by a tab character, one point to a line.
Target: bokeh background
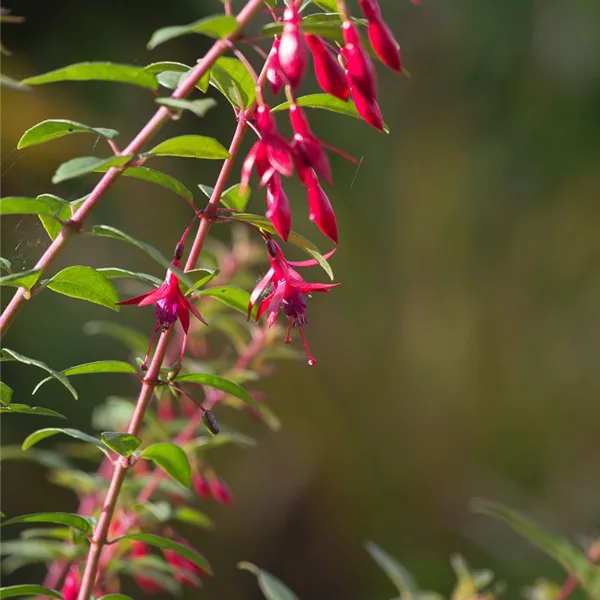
459	358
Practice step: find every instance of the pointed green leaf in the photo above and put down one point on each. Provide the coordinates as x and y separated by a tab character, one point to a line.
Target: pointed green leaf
15	591
190	146
167	65
198	107
294	238
232	78
168	544
397	574
230	296
84	524
204	276
5	393
85	283
117	273
326	102
30	410
217	26
84	165
12	355
56	128
5	264
231	197
191	516
220	383
154	176
100	366
176	78
42	205
97	71
129	337
41	434
26	279
171	459
270	586
572	559
53	224
123	444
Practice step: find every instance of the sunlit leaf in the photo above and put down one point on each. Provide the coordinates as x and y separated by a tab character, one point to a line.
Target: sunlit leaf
117	273
53	223
123	444
232	78
231	197
26	279
230	296
83	165
171	459
217	26
115	597
5	393
97	71
190	146
30	410
197	107
41	434
56	128
270	586
15	591
84	524
42	205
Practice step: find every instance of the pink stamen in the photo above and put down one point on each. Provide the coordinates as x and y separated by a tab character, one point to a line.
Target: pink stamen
144	365
288	335
311	358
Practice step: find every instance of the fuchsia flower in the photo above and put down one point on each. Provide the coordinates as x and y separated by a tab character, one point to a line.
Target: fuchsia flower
360	69
383	41
330	75
289	291
273	71
201	487
320	209
141	550
188	571
368	109
292	53
278	207
220	491
70	588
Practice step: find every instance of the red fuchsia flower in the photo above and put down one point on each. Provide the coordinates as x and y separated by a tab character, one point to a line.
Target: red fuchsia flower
289	291
141	550
330	75
274	69
368	109
308	151
220	491
187	571
271	154
201	486
278	207
70	588
383	41
360	69
320	209
292	53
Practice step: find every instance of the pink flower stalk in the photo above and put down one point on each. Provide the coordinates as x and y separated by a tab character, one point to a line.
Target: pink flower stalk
360	69
292	53
274	69
308	151
70	588
141	550
289	291
382	39
330	75
278	207
188	571
320	209
271	154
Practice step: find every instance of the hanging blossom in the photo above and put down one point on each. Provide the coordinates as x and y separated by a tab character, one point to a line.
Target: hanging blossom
292	54
288	293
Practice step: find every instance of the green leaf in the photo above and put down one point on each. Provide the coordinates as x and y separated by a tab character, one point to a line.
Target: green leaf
217	26
26	279
117	273
327	25
230	296
100	366
85	283
190	146
270	586
30	410
397	574
171	459
53	224
231	197
56	128
572	559
220	383
294	238
154	176
191	516
5	264
42	205
129	337
167	544
97	71
123	444
167	65
206	276
9	82
232	79
14	591
198	107
84	524
173	79
5	393
112	232
41	434
468	583
84	165
12	355
326	102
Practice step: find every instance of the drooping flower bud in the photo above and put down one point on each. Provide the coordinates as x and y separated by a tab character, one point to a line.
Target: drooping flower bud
368	109
308	151
70	588
273	71
330	75
278	207
360	69
220	491
201	487
187	571
383	41
320	209
292	53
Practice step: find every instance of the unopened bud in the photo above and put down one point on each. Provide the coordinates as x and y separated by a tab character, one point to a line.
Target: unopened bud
209	421
174	371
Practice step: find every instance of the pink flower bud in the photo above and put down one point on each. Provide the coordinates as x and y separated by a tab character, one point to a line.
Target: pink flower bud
292	53
361	73
187	570
383	41
278	207
329	74
320	209
220	491
70	588
273	71
201	487
368	109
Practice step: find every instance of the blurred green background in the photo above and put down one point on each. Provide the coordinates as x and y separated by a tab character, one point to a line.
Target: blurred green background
460	356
